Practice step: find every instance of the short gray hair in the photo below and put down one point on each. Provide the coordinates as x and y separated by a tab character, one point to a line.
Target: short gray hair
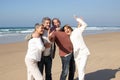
45	18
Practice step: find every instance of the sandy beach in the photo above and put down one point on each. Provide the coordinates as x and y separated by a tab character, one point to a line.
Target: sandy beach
103	63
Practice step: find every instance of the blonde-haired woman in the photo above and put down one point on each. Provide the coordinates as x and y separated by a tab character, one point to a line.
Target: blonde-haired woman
34	52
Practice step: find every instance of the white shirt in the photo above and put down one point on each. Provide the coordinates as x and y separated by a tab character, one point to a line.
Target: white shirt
35	49
77	39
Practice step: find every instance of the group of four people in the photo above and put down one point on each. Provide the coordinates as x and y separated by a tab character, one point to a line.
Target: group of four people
42	45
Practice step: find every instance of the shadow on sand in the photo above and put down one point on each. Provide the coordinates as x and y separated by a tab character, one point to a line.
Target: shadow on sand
105	74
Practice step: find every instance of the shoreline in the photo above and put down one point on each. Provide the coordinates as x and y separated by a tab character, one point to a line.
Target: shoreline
103	62
13	38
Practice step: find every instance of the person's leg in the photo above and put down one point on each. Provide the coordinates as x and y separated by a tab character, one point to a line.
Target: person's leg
41	65
72	68
36	73
65	66
33	70
81	63
29	75
48	67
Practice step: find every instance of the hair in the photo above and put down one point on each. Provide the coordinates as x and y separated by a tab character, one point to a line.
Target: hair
55	19
68	26
29	36
37	25
45	18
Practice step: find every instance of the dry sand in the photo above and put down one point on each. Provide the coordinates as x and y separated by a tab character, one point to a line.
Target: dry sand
103	63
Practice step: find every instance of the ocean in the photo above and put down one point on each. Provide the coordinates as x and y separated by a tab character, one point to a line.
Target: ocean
17	34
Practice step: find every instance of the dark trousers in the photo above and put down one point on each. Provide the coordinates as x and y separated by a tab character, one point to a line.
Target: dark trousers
68	65
46	61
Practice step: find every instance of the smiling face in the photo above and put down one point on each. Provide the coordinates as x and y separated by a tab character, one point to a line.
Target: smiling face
40	29
68	30
47	24
56	23
46	21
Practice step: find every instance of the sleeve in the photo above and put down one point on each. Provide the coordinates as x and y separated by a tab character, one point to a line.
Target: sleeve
32	48
36	44
40	45
28	37
83	25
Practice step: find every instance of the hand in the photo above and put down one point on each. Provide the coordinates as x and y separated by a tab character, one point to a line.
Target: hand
77	18
50	33
47	45
57	29
50	36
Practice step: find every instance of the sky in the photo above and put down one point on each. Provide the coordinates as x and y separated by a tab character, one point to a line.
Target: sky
25	13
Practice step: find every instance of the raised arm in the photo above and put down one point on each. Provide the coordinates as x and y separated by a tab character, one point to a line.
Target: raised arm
80	21
51	36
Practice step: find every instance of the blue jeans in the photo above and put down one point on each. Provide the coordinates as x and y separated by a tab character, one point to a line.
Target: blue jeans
68	65
47	62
